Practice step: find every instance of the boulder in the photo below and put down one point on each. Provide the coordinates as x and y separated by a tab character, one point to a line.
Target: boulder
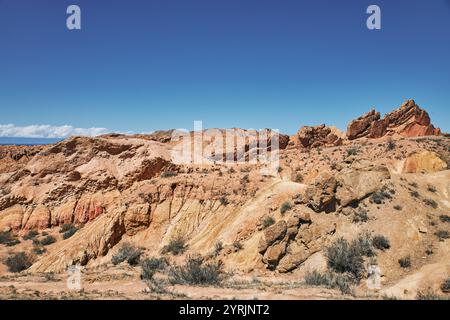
359	181
319	136
320	196
274	254
271	234
425	161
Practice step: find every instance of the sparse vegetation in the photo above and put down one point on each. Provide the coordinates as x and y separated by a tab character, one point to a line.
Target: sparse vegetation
428	294
8	239
18	262
380	242
299	178
352	152
329	280
444	218
31	235
445	286
413	184
218	248
175	246
237	245
380	196
127	252
168	174
414	194
268	221
443	235
360	216
431	203
68	230
431	188
405	262
196	272
345	257
150	266
398	207
286	206
47	240
223	201
391	145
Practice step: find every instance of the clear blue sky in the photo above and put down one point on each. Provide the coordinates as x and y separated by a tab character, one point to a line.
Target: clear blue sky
146	65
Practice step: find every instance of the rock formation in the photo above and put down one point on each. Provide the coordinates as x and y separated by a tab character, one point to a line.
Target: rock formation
409	121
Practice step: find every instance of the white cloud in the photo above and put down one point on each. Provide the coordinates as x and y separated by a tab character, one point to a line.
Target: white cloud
47	131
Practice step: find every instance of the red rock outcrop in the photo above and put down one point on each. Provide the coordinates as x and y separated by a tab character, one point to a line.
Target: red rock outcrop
409	120
319	136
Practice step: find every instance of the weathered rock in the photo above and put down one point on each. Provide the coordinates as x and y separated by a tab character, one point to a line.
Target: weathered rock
11	218
320	196
298	254
137	218
360	180
274	254
409	120
425	161
271	234
74	176
318	136
40	218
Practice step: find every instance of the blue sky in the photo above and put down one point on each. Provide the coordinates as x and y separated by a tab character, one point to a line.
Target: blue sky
146	65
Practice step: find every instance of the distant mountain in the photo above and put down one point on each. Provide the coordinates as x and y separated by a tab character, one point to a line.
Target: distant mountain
27	141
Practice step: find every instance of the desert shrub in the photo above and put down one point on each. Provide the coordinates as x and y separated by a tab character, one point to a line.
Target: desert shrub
69	233
39	250
398	207
237	245
223	201
8	239
405	262
352	152
268	221
286	206
431	188
381	242
299	178
280	169
48	240
196	272
391	145
18	262
428	294
127	252
342	257
66	227
444	218
245	179
363	245
431	203
150	266
360	216
413	184
445	286
168	174
414	194
176	246
329	280
380	196
442	235
31	235
218	247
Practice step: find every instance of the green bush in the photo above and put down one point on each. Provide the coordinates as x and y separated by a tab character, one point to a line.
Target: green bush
268	221
68	231
66	227
405	262
444	218
168	174
150	266
352	152
18	262
286	206
380	242
175	246
127	252
196	272
48	240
